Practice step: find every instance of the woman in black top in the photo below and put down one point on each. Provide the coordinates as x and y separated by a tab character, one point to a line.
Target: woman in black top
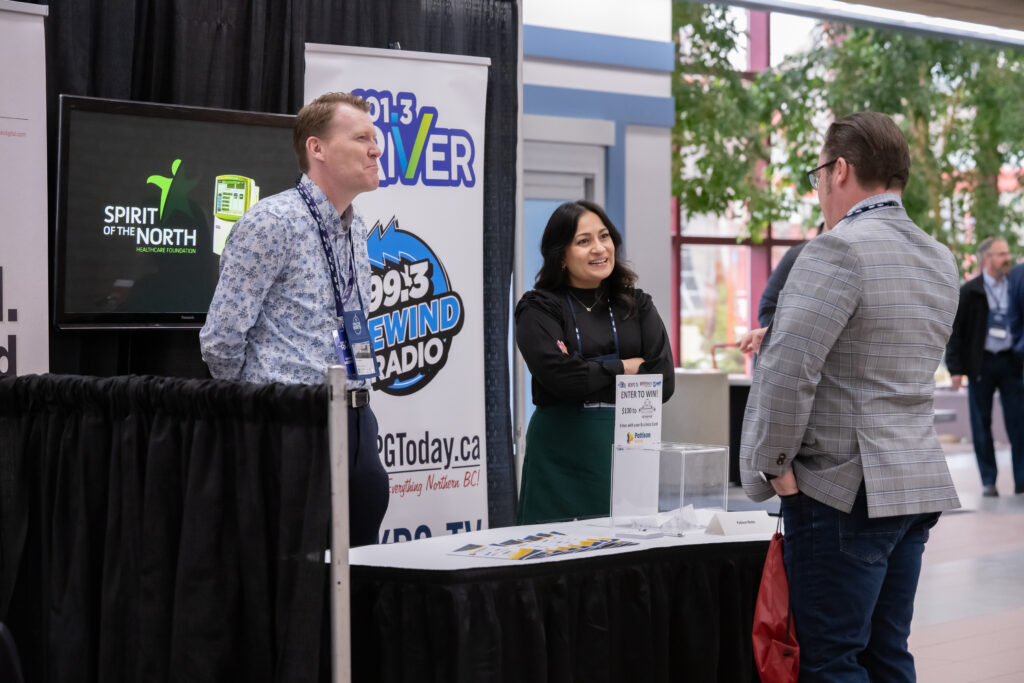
582	324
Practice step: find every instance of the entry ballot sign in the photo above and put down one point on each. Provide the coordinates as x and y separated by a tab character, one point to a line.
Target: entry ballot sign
638	409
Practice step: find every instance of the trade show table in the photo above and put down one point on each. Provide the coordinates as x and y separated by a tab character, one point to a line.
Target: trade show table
664	609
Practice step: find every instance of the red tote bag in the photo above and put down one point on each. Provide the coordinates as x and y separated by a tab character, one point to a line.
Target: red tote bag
776	651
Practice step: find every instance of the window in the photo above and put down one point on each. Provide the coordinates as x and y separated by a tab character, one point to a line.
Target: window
720	279
715	305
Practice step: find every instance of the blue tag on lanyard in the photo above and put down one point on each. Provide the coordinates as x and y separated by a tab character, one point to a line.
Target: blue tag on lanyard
998	325
352	345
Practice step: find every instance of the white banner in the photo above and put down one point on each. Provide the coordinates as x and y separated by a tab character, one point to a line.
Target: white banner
427	309
24	284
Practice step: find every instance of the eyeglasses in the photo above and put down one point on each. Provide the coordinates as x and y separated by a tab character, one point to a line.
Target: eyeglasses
812	175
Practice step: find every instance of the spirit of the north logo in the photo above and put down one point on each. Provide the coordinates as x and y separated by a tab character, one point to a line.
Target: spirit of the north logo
164	183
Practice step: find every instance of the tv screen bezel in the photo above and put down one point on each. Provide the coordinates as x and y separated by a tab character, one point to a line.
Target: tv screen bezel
64	320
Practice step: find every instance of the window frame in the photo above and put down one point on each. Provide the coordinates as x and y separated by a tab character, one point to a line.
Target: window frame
760	268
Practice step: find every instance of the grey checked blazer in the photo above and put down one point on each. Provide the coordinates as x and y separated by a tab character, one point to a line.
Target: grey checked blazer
843	389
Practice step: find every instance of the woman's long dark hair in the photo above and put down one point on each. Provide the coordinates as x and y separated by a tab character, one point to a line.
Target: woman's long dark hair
559	233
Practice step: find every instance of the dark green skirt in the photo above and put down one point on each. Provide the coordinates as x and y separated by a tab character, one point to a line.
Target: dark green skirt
567	468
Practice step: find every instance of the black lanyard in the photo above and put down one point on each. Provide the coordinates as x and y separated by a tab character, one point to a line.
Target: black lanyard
340	289
871	207
579	341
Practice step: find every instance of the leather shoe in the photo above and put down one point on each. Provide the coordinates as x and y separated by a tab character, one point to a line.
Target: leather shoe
989	491
1018	489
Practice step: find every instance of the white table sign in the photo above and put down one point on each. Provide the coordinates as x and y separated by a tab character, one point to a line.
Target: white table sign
638	409
742	523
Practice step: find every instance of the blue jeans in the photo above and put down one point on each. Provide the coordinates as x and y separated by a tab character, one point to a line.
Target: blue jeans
852	582
997	372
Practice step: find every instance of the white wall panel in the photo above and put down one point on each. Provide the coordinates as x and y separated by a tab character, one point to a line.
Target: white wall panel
644	19
648	212
560	74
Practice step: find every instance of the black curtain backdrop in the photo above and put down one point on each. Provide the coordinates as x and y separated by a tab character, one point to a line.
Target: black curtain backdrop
249	54
161	529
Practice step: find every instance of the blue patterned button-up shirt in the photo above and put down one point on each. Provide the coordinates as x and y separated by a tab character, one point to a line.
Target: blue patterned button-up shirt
272	316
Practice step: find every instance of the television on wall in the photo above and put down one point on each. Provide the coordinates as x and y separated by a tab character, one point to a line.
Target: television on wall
147	195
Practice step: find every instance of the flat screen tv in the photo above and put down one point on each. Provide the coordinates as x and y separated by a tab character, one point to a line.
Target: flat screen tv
147	195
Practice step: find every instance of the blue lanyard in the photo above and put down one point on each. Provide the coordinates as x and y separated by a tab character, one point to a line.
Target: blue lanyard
1000	301
871	207
340	289
576	326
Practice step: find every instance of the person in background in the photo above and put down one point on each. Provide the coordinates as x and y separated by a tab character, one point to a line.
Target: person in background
777	280
1015	304
981	350
840	422
583	324
294	285
751	341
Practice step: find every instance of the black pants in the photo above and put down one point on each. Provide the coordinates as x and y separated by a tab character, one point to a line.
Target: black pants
367	478
997	372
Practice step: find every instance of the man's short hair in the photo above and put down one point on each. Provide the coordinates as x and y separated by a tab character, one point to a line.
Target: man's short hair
985	246
874	145
313	120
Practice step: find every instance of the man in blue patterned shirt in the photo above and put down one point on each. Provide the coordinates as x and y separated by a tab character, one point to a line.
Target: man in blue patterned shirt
274	314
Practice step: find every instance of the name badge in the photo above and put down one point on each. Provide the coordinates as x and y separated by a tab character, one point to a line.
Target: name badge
997	325
353	347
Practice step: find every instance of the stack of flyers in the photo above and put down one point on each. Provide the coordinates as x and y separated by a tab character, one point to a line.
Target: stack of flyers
540	545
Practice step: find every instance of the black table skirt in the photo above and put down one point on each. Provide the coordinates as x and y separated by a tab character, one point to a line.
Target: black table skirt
666	614
738	395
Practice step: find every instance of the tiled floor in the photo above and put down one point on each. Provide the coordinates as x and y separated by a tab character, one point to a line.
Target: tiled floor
969	613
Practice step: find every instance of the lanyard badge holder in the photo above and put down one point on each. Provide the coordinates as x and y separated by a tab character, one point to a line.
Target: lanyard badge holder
579	340
870	207
998	322
353	347
579	343
352	344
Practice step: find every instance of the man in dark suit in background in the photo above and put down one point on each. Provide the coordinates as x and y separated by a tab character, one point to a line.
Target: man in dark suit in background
980	349
751	341
777	280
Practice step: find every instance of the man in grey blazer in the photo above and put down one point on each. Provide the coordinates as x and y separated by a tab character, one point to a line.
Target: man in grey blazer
839	422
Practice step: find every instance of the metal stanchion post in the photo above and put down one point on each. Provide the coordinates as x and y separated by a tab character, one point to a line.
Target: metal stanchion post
341	623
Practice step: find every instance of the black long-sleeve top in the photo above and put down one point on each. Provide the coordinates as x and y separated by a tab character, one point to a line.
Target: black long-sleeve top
543	319
776	281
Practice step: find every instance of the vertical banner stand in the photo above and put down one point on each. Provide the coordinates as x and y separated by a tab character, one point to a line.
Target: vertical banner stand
341	622
426	238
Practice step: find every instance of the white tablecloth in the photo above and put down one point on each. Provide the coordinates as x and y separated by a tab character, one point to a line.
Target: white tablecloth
433	553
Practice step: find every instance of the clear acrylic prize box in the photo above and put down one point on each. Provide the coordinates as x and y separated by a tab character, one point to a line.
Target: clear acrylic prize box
667	488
